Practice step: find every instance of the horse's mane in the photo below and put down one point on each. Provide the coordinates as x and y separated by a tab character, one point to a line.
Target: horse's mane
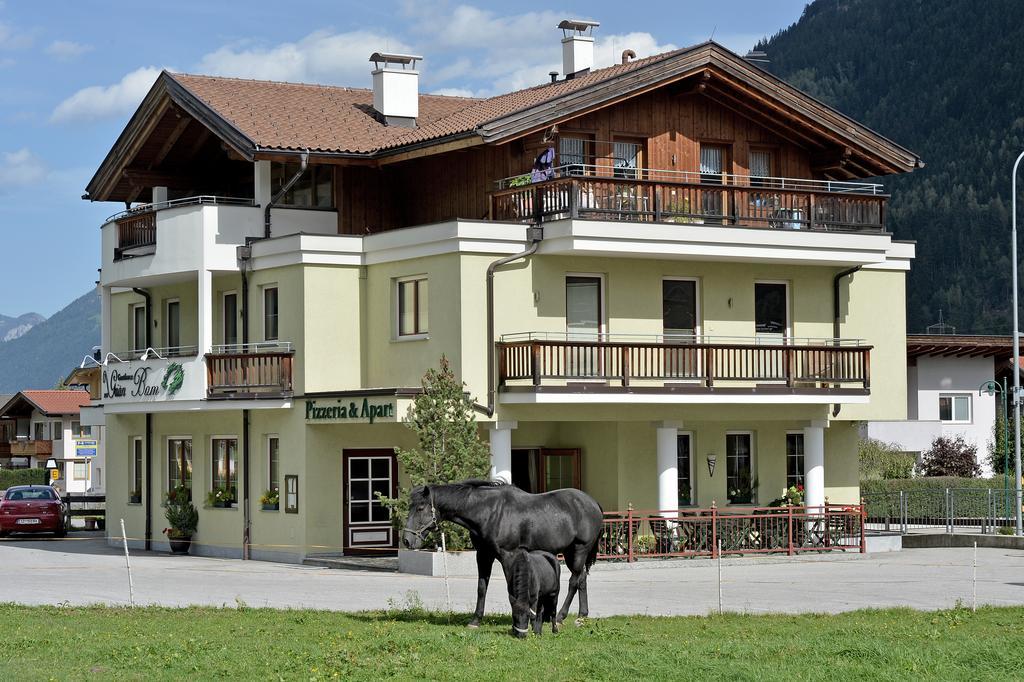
521	570
483	483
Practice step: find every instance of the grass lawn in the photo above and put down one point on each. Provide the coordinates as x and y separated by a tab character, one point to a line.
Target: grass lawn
205	643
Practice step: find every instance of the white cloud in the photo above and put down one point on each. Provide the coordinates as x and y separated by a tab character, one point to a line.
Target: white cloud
320	57
12	39
66	50
21	167
455	92
103	101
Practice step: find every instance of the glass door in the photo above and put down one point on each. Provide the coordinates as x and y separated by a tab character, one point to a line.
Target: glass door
771	312
368	473
583	326
681	325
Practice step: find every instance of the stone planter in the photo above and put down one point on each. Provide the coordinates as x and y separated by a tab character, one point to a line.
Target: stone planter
180	545
418	562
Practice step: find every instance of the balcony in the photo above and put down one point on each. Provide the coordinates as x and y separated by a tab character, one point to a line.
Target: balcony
813	370
136	227
688	198
31	448
258	370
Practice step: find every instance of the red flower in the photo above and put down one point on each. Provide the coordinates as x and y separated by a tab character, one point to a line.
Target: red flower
799	487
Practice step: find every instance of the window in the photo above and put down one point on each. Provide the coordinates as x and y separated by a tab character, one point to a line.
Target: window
583	303
270	328
179	463
712	163
955	408
139	327
224	463
771	309
739	474
273	463
39	431
575	154
368	477
291	494
230	319
80	471
57	429
794	459
136	491
627	159
760	167
684	469
561	469
412	307
173	324
679	307
79	431
314	189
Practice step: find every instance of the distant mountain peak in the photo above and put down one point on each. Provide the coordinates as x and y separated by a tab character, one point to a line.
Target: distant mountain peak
14	327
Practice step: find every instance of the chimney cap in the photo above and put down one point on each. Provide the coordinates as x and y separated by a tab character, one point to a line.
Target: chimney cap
579	26
394	58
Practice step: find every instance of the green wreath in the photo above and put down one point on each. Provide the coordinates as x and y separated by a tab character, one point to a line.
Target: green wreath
174	377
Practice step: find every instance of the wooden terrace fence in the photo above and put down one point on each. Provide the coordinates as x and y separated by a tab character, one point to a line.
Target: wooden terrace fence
633	535
233	374
537	360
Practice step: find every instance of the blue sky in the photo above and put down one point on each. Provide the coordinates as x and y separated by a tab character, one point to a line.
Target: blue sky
71	74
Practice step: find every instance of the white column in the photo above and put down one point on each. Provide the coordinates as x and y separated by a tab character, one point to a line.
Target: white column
104	322
204	328
261	178
668	467
814	464
501	450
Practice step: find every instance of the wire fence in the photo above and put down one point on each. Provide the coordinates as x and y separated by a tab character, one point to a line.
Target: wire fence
949	510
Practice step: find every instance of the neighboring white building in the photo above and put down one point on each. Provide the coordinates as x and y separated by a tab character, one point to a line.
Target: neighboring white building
945	375
39	425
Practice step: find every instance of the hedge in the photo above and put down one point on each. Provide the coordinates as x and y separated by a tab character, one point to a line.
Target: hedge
11	477
926	496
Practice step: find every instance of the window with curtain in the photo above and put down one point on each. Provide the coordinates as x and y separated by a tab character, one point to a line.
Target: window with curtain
712	163
179	463
627	159
760	167
574	155
224	462
270	328
955	408
739	474
412	307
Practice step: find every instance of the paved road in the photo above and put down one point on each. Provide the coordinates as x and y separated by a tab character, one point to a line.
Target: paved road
87	571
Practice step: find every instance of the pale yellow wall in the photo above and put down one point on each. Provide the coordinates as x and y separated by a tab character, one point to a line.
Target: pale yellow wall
291	312
121	315
332	349
873	307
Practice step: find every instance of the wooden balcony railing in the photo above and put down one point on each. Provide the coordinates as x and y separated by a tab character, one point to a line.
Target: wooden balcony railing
28	448
823	364
135	230
254	371
649	197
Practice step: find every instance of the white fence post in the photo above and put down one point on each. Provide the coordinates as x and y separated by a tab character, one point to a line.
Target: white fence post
128	564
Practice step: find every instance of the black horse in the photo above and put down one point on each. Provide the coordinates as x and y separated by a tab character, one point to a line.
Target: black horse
532	579
502	518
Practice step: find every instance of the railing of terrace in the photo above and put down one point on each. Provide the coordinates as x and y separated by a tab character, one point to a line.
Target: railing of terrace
940	510
686	198
136	227
633	535
256	370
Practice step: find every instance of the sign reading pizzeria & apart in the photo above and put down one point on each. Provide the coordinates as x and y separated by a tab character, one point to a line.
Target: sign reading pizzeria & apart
367	410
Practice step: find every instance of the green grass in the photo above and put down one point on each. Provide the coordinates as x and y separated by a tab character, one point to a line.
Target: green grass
244	643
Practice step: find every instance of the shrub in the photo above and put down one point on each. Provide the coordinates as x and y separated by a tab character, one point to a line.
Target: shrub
181	514
950	457
881	460
926	496
13	477
449	449
1002	435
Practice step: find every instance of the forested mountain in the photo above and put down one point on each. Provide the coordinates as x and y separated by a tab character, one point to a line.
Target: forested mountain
13	327
946	80
47	352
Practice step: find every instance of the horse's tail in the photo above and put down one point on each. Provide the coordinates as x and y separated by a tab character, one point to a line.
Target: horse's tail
592	555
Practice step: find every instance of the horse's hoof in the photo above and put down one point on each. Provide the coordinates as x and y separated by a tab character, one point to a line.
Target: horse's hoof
555	628
473	625
580	622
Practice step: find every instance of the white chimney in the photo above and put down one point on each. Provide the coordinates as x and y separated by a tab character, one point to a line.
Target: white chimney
577	46
396	91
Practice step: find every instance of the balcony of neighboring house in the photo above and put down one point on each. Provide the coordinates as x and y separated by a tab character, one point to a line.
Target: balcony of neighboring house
31	448
690	198
553	367
255	370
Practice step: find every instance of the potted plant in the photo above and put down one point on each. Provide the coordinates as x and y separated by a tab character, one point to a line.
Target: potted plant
183	519
135	497
270	499
794	495
219	497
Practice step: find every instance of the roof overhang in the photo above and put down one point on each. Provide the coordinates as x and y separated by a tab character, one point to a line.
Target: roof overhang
959	346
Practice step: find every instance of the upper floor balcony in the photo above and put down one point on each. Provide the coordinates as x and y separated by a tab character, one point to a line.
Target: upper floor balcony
30	448
551	367
647	195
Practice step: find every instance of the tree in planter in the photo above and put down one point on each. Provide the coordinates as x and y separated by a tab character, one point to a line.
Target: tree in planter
950	457
182	516
449	449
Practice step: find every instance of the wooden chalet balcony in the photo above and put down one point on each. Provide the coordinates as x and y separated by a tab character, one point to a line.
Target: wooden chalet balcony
136	227
29	448
661	196
256	370
607	363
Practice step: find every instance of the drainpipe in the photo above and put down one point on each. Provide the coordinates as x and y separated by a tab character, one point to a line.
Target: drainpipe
148	495
303	164
535	233
246	514
835	315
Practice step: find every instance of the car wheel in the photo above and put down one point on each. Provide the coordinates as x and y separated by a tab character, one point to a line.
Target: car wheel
3	533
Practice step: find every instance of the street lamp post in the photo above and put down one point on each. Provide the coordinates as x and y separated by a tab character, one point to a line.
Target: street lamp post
1016	352
991	388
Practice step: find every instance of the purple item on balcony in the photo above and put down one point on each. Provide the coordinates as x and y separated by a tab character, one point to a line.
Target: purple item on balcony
542	169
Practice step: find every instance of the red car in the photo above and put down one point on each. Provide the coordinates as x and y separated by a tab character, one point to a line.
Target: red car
33	509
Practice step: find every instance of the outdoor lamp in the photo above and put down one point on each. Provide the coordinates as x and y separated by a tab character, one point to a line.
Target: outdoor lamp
51	463
712	460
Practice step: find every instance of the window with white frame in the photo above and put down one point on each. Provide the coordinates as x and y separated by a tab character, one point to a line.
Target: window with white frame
136	492
794	460
684	469
179	463
739	468
955	407
39	431
224	466
57	429
139	327
273	463
172	325
80	470
270	326
230	318
412	299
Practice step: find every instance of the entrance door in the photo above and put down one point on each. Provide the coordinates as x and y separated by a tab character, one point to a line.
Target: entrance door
368	526
771	311
541	470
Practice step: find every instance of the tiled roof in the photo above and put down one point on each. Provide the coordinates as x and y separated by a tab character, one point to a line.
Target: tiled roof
335	119
58	402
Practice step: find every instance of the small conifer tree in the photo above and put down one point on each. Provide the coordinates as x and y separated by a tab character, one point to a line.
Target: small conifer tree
449	448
